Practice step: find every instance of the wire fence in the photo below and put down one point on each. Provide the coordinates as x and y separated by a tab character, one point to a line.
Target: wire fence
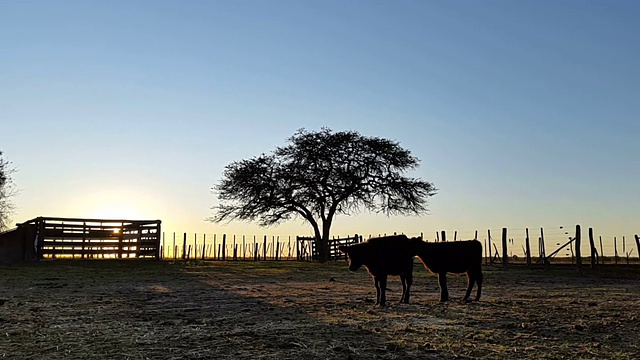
539	245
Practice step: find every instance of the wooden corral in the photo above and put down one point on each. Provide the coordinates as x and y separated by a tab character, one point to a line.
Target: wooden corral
94	238
307	247
16	245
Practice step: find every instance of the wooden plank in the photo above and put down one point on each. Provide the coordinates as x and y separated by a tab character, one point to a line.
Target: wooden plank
49	219
79	235
77	244
78	252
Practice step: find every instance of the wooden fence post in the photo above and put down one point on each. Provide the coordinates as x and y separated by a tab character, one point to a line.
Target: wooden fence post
224	247
195	245
543	249
184	247
444	236
119	245
578	252
528	248
489	246
255	248
204	245
264	249
84	238
593	248
173	248
214	247
615	249
235	249
273	245
505	258
244	255
256	255
638	245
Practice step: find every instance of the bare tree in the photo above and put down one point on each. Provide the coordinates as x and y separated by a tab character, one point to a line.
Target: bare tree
318	175
7	191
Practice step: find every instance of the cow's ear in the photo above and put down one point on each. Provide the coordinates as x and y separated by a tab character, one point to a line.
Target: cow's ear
343	249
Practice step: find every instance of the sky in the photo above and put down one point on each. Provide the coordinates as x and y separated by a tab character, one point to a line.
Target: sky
524	114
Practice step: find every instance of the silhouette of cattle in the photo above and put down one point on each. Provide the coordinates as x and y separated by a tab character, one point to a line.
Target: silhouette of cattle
454	257
383	256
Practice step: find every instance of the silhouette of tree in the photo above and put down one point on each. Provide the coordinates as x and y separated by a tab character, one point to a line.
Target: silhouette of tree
6	192
318	175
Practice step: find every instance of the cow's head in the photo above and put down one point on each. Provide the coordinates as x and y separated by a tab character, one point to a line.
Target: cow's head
355	255
417	244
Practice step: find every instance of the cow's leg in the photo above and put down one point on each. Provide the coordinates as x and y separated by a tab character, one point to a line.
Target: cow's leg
471	279
479	278
408	279
409	283
383	289
442	281
376	282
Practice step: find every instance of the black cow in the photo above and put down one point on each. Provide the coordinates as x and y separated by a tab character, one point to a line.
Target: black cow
455	257
383	256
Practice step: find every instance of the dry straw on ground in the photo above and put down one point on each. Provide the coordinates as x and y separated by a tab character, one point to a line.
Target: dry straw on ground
291	310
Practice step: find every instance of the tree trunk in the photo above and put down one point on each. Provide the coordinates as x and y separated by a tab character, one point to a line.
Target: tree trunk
323	243
323	250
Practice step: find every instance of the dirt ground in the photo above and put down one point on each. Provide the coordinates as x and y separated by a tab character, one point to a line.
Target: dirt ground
291	310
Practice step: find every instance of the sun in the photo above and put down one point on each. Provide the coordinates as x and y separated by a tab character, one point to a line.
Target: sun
112	204
114	208
116	211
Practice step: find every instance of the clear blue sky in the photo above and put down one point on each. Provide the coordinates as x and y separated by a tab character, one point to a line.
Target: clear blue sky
524	113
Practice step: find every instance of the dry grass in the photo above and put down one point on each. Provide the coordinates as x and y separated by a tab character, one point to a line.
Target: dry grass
290	310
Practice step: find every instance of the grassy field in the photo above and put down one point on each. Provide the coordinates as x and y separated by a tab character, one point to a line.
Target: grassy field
290	310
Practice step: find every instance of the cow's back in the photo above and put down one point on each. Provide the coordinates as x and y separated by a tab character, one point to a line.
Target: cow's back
392	255
455	257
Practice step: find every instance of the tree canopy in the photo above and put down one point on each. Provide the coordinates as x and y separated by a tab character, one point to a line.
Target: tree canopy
319	174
